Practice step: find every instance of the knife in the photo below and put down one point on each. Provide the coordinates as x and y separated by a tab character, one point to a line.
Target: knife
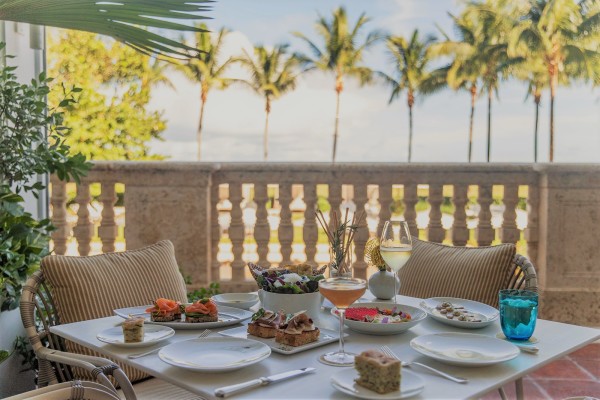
263	381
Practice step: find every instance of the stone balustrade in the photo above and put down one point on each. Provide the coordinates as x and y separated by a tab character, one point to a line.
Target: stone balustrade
222	215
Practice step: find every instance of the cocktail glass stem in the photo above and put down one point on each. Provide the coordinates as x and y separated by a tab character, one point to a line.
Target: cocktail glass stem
395	288
342	313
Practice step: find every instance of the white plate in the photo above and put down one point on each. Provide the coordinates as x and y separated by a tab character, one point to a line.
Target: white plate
487	314
370	328
227	316
152	334
237	300
214	354
326	336
411	384
465	349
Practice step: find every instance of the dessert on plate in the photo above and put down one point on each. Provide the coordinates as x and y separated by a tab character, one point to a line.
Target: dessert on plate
133	330
298	330
377	372
165	310
203	310
265	323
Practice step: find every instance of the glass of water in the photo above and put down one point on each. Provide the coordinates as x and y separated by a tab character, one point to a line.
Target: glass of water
518	313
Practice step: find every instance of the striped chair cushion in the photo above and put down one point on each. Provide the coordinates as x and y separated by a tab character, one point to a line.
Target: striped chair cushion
92	287
474	273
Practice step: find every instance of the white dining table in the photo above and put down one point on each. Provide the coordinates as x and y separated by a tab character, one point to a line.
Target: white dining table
555	340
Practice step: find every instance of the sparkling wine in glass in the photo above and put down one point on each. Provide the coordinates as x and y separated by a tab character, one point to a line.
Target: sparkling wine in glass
342	291
395	247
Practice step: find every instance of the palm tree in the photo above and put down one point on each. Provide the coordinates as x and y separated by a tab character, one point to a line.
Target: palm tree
273	73
466	68
411	59
124	20
207	69
341	54
564	35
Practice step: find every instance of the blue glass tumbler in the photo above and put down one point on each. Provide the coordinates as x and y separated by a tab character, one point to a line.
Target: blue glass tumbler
518	313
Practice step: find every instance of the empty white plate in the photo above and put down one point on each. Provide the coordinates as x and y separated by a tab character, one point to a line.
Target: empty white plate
411	384
214	354
237	300
152	334
465	349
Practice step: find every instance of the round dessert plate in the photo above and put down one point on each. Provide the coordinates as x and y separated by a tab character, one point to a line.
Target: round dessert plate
482	312
411	384
237	300
465	349
214	354
373	328
152	334
227	316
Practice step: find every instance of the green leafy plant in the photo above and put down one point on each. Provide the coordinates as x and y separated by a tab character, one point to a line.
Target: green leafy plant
204	292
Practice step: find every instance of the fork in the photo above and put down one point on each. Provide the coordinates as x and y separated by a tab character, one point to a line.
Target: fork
203	334
388	352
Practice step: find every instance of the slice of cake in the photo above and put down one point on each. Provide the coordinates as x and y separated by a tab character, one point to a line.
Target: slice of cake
265	323
297	331
377	372
203	310
133	330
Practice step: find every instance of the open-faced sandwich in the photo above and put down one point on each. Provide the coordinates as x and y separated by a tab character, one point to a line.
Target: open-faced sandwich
298	330
265	323
203	310
165	310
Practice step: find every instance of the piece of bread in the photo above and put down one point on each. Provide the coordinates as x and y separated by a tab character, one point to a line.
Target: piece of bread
158	317
202	318
297	340
261	331
377	372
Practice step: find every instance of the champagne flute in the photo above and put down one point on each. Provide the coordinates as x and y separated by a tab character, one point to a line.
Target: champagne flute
395	247
342	290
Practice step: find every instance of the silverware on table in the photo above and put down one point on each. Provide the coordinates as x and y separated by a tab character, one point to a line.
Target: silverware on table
387	351
203	334
263	381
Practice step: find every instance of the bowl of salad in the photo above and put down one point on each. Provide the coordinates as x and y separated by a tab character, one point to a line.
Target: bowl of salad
381	318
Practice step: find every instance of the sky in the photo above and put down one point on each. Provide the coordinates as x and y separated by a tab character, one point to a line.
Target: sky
371	130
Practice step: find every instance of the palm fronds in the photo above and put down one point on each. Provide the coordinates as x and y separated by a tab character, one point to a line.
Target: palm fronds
128	21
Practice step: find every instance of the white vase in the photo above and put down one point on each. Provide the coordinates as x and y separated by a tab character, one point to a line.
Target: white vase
382	285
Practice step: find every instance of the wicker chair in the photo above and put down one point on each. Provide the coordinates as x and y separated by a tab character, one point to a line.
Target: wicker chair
55	363
522	274
75	390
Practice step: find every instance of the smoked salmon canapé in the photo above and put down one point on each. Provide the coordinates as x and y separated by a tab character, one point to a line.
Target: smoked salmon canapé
203	310
165	310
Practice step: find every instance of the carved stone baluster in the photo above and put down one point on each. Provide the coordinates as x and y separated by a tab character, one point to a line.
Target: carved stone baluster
385	201
532	230
59	217
310	232
286	228
460	231
362	235
84	230
335	201
236	232
509	232
262	230
215	233
410	215
108	228
485	231
435	230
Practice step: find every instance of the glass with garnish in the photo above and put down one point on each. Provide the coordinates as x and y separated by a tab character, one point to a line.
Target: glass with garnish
342	290
395	247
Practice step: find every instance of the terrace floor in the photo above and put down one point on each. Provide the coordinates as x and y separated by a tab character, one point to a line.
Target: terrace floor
577	374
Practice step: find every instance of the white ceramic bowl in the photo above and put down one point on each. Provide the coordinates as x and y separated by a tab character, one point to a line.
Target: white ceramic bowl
237	300
369	328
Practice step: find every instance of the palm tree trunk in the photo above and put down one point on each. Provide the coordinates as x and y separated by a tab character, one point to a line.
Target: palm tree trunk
553	83
473	96
489	124
203	97
337	123
411	102
536	99
266	136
